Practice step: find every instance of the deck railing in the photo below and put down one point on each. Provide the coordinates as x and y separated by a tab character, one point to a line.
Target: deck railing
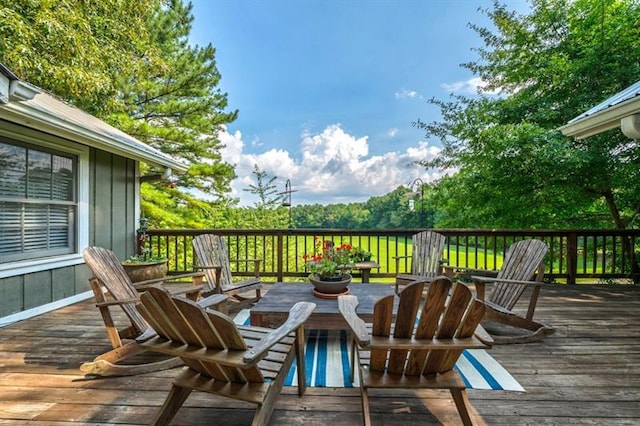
574	255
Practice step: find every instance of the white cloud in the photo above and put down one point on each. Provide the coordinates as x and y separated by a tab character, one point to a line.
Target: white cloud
392	132
472	86
233	145
406	93
334	167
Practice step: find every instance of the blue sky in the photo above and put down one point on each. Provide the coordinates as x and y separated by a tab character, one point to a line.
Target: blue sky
327	90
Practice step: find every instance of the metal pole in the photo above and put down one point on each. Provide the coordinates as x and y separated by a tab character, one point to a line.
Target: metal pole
286	200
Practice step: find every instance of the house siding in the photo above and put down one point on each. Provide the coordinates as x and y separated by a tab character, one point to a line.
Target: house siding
112	212
113	200
11	295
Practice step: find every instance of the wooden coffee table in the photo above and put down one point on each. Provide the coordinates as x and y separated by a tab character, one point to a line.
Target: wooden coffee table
273	308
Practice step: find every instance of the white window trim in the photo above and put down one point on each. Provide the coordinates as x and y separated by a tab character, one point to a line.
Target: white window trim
82	232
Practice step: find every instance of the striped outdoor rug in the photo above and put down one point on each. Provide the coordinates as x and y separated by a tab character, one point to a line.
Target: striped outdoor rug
328	363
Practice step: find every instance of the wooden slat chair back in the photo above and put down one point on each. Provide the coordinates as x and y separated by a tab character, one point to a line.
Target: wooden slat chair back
419	348
522	268
524	261
113	288
108	271
213	258
245	363
427	253
426	258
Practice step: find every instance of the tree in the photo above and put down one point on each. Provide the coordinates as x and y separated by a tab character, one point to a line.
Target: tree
173	103
515	168
130	64
390	210
77	50
265	191
267	211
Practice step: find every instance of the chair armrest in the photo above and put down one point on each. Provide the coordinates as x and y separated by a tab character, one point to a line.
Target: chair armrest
256	264
174	292
147	283
207	267
483	336
119	302
448	270
410	343
298	314
397	259
347	306
503	280
185	275
213	283
480	282
212	300
475	271
147	334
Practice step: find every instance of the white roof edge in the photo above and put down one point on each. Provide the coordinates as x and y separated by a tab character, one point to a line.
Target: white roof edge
602	120
618	98
46	113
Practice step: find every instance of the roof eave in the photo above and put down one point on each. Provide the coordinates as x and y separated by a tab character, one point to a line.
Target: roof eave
604	120
24	104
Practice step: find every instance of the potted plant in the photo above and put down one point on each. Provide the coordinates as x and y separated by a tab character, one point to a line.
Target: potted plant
145	266
361	255
329	266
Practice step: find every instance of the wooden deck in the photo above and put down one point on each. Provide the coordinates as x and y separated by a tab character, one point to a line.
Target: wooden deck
587	373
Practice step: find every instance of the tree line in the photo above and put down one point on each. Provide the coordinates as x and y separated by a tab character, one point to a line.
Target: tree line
130	64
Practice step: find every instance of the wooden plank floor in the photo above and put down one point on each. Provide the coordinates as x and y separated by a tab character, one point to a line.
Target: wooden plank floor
588	373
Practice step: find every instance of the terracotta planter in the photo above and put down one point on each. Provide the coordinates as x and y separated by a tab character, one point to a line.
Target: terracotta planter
336	286
145	271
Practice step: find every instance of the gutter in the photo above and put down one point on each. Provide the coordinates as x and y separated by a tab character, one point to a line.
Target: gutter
623	115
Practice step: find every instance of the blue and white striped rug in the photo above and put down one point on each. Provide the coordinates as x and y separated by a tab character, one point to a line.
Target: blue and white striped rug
328	363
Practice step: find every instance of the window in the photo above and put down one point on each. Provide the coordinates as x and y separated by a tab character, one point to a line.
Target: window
38	202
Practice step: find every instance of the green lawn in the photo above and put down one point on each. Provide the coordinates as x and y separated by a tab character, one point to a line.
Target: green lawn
456	257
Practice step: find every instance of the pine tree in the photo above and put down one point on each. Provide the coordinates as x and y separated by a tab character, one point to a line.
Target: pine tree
173	104
264	190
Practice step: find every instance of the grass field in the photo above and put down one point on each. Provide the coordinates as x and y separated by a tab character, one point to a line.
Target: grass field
386	250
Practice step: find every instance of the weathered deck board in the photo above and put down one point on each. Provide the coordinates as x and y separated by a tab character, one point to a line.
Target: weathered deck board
588	373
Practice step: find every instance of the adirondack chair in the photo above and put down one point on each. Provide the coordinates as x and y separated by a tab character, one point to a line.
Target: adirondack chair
113	288
245	363
213	257
421	348
426	258
522	268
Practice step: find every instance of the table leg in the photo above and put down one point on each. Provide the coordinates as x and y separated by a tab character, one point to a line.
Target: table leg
365	274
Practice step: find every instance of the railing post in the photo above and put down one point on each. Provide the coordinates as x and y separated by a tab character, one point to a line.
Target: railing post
280	260
572	257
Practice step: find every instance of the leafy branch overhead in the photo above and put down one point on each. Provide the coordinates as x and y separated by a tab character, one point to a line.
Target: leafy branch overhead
540	69
144	76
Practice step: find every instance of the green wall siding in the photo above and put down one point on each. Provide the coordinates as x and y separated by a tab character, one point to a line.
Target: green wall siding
12	295
112	192
37	289
63	282
112	197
